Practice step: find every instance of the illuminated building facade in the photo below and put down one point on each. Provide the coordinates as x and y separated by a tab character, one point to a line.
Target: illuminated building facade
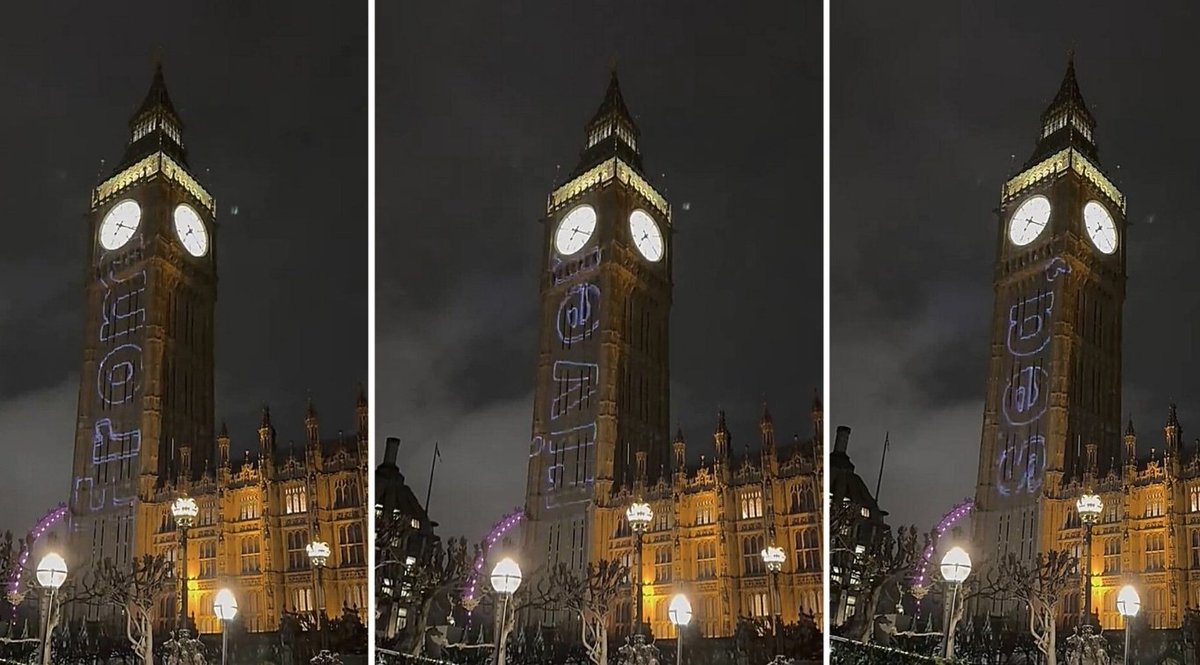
601	431
711	523
854	511
400	517
145	429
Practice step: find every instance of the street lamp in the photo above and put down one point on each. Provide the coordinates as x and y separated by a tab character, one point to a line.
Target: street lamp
1089	506
225	607
680	612
1128	604
956	566
51	573
318	554
639	515
774	557
506	577
184	510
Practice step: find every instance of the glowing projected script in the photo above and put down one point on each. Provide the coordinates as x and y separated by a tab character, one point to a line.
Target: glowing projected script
1020	462
116	435
571	400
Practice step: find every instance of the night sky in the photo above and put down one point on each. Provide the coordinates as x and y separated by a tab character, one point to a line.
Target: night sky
274	105
479	119
934	105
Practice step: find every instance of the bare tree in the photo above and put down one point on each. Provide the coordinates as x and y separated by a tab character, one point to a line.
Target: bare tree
1039	586
591	597
135	588
440	578
881	567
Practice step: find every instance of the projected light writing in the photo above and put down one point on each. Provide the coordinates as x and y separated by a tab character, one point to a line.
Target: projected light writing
578	316
577	384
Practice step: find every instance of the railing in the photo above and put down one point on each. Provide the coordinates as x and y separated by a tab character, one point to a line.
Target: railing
848	652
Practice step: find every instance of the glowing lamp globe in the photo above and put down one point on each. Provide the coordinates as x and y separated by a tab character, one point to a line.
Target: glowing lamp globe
1128	602
184	510
639	515
680	610
225	605
774	557
506	576
1089	506
52	571
956	565
318	553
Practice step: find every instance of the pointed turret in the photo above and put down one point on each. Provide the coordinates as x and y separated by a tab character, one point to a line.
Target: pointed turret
679	448
155	125
312	424
223	445
721	437
1130	440
360	410
1067	122
611	132
1172	431
818	422
266	433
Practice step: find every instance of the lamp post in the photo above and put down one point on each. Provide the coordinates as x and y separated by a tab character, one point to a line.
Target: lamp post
956	566
51	573
184	510
774	557
1089	506
225	607
680	612
318	554
1128	604
506	577
639	515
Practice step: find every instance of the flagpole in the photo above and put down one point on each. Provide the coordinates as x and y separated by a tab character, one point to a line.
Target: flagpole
879	483
432	465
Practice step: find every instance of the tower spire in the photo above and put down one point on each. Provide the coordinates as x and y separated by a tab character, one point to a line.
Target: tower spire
611	132
155	125
1067	122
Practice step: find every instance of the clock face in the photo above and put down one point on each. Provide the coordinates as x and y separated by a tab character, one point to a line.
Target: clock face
190	229
1100	227
646	235
120	224
1029	220
575	230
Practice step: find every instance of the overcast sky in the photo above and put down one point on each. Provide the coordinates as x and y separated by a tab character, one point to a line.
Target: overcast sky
274	103
934	105
476	119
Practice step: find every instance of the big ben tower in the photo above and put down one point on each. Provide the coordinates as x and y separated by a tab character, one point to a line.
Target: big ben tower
146	380
1054	374
602	390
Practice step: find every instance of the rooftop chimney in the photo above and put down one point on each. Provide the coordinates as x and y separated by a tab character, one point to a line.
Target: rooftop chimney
842	440
393	448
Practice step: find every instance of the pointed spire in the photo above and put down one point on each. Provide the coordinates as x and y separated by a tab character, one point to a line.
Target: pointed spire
1172	416
266	417
311	412
611	132
1067	121
1129	431
765	420
224	433
155	125
679	433
721	428
362	397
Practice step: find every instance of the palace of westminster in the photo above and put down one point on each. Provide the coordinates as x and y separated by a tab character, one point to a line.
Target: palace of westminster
145	430
1052	426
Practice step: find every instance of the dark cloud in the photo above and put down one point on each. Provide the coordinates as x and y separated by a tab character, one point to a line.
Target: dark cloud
273	96
479	118
933	106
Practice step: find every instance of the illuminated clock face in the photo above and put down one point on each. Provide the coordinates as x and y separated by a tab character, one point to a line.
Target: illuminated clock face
190	229
1029	220
1100	227
575	230
646	235
120	224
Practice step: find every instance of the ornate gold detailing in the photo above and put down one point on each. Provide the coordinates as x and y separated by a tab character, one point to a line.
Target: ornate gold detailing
604	172
145	168
1068	158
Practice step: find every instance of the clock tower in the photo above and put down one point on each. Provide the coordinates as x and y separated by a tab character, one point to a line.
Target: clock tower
1054	373
601	401
146	380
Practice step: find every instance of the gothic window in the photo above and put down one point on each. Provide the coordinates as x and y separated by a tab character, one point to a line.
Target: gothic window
345	493
1154	551
248	507
752	563
662	564
752	503
802	499
208	559
250	559
302	599
1112	556
662	520
1194	498
808	553
295	499
297	556
1110	512
208	514
355	596
1154	506
1196	548
350	538
706	560
758	605
704	512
